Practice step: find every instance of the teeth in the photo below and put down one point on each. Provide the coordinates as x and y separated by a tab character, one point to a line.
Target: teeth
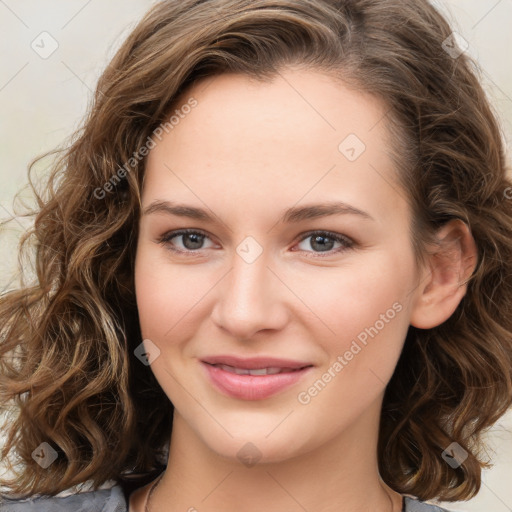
256	371
263	371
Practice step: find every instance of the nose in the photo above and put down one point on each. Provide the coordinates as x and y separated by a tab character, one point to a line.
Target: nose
250	298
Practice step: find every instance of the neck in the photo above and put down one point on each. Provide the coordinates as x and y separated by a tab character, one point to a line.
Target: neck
341	475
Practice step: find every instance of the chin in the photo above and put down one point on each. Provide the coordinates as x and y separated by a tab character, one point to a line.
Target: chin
252	446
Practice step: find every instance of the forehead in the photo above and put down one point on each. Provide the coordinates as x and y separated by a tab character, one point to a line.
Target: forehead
307	107
302	135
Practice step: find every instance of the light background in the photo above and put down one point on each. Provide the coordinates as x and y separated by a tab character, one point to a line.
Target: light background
43	100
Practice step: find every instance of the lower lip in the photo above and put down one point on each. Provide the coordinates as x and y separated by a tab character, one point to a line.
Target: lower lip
252	387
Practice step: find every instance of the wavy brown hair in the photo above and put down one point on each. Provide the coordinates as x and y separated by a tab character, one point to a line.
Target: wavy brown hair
69	374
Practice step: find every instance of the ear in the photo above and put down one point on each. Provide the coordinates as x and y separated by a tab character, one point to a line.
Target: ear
443	281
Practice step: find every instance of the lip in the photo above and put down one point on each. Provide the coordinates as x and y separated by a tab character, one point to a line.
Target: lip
253	387
252	363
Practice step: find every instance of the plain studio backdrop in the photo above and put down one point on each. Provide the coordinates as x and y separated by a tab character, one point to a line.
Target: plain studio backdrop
52	54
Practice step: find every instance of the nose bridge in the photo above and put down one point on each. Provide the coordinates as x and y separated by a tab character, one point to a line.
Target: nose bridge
250	297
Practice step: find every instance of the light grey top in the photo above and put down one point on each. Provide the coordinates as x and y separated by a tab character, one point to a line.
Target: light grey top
102	500
113	500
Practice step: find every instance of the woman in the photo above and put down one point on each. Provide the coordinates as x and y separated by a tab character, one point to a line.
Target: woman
273	271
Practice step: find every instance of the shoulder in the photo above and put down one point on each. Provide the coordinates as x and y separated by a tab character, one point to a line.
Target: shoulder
102	500
414	505
114	500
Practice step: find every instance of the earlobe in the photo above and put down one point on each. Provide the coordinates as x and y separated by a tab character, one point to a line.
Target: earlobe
443	282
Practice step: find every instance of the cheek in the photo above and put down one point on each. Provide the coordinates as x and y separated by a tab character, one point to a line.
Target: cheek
367	309
369	318
168	295
338	304
350	299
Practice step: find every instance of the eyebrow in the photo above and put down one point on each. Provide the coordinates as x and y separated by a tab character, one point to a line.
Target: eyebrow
291	215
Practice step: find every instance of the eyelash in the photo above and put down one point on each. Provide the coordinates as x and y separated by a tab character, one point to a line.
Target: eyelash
336	237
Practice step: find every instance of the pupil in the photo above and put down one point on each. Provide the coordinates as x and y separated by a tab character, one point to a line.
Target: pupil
197	241
322	246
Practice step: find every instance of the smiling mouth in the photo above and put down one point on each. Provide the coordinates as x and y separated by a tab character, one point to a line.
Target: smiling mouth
256	371
264	379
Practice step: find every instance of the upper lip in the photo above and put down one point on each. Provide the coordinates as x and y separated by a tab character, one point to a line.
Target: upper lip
254	363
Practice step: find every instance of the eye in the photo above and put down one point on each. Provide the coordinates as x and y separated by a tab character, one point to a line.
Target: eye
191	240
324	242
320	241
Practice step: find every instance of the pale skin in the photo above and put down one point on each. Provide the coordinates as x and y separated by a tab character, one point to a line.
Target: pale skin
246	153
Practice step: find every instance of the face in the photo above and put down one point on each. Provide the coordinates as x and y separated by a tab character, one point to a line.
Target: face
297	259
